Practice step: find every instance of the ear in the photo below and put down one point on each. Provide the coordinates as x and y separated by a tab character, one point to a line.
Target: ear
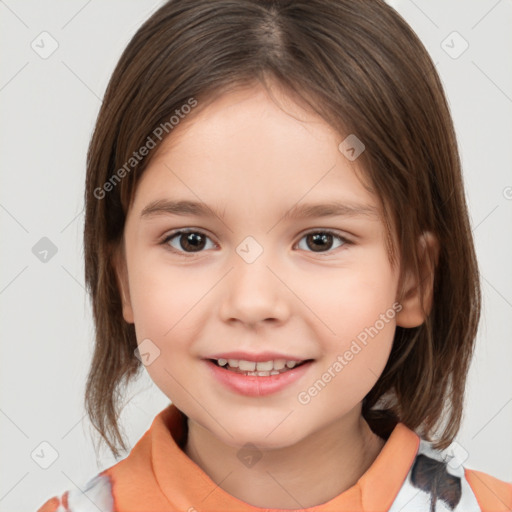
418	290
120	269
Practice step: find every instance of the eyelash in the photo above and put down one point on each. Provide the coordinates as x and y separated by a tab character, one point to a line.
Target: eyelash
183	254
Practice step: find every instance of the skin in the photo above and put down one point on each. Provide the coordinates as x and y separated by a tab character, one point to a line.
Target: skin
254	160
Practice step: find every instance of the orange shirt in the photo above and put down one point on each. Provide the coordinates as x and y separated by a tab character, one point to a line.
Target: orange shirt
158	476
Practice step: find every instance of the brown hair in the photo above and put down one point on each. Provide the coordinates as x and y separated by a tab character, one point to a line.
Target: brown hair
362	68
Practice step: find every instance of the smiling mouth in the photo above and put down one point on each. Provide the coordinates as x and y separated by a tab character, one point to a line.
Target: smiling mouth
258	369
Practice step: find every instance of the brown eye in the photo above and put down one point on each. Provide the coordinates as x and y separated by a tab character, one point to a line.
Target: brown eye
322	241
187	241
190	242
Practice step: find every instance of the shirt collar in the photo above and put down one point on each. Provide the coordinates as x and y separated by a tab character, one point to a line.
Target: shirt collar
186	485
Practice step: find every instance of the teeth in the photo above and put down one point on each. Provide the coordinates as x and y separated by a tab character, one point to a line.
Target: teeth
262	368
247	366
265	367
279	364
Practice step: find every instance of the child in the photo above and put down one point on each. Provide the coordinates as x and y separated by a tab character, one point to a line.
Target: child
236	138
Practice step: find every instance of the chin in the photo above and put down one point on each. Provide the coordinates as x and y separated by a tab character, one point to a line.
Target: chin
262	437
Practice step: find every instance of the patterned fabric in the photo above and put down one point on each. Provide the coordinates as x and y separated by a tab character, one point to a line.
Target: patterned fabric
417	494
436	482
408	475
96	495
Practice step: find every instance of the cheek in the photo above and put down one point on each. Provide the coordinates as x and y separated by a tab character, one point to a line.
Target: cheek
358	313
162	296
348	300
163	301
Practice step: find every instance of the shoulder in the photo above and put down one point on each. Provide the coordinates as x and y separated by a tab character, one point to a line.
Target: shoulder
493	495
96	494
438	481
490	493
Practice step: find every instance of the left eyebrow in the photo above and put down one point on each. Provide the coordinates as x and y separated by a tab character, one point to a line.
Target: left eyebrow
331	209
305	211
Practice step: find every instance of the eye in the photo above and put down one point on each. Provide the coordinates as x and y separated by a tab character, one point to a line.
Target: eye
191	241
187	241
322	241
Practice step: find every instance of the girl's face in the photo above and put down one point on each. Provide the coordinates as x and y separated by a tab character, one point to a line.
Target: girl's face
259	280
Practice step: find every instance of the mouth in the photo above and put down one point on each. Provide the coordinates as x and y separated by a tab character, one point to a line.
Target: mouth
260	368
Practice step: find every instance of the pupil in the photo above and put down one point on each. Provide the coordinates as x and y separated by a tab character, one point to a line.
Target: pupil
193	240
319	238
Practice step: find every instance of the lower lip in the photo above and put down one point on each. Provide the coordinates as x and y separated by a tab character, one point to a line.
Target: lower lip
251	385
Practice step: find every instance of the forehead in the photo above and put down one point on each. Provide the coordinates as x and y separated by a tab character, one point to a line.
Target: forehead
249	148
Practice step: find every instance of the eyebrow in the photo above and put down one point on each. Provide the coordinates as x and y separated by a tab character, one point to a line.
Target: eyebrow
331	209
304	211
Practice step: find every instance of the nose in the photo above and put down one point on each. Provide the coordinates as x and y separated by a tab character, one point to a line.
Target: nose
254	293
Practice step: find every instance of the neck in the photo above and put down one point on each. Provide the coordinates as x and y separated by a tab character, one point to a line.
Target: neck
309	473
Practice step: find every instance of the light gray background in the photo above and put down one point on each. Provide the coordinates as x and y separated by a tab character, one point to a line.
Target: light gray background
48	110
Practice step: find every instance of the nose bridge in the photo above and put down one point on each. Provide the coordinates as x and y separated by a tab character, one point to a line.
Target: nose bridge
255	293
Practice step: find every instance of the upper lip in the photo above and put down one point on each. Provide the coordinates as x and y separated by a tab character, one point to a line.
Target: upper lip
259	357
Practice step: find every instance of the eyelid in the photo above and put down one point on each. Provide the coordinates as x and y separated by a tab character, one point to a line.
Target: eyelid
181	231
333	232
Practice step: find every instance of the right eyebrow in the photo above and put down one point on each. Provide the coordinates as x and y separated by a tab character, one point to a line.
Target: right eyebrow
180	207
